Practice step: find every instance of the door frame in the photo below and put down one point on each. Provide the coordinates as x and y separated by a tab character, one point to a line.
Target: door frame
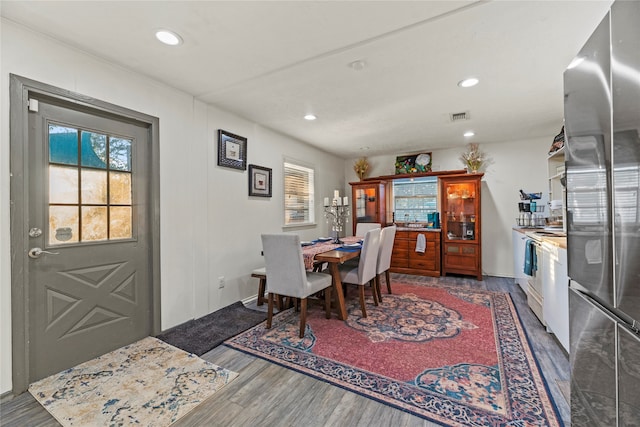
20	90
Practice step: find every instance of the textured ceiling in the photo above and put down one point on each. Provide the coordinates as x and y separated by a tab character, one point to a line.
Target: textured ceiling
272	62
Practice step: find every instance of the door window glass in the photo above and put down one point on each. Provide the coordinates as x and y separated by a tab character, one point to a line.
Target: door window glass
90	186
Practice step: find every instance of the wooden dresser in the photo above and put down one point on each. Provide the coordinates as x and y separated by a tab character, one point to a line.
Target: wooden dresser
405	259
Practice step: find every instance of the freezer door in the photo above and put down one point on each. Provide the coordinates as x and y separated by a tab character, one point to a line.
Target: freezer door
587	112
593	361
625	67
628	377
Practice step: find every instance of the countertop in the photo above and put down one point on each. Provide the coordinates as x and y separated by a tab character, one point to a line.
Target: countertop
422	229
560	241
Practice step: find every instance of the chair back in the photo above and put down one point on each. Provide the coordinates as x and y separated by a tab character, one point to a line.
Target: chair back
369	256
387	236
363	227
286	274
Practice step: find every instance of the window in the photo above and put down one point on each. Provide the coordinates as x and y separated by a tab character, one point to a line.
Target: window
90	186
298	195
414	198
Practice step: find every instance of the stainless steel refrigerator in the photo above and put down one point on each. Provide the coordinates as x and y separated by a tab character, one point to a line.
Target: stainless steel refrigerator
602	125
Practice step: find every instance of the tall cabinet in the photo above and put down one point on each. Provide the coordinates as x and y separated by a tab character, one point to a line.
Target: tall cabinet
369	202
461	224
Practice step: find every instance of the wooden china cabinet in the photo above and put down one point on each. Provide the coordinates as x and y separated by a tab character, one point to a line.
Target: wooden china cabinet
369	203
461	224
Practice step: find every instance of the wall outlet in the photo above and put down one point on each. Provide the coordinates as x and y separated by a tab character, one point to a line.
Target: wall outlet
220	282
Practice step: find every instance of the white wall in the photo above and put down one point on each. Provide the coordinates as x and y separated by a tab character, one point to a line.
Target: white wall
209	225
511	166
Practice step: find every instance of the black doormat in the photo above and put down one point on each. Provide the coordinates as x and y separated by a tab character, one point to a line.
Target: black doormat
201	335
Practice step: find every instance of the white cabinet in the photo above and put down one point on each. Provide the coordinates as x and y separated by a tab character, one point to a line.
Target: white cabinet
555	288
520	278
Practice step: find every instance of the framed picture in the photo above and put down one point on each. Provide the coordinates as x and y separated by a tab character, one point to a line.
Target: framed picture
259	181
414	163
232	150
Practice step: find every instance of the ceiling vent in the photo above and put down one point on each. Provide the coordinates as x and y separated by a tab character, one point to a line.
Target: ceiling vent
456	117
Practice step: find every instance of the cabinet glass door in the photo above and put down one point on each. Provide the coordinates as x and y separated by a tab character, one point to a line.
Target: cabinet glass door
461	211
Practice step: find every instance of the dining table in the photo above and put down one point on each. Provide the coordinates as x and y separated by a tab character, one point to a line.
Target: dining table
334	254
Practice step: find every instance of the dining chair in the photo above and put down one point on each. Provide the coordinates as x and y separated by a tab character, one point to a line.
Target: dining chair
363	227
387	237
365	271
286	275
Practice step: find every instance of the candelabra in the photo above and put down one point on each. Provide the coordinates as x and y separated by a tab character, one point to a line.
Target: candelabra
337	214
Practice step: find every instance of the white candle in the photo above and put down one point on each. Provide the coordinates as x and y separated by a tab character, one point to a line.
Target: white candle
336	194
339	201
326	201
346	201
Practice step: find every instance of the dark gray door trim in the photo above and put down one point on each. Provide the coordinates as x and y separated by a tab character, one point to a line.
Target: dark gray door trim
20	90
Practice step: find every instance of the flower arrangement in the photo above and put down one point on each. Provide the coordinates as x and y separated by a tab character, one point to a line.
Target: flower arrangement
361	166
473	158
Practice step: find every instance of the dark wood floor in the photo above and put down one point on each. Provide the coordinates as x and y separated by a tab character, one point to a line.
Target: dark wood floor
268	395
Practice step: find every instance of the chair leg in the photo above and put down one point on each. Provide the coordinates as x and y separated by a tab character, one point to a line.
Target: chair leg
261	289
388	281
374	292
303	316
378	287
327	302
362	307
270	310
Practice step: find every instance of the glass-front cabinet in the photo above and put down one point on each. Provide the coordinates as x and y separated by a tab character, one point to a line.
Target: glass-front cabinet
369	202
461	231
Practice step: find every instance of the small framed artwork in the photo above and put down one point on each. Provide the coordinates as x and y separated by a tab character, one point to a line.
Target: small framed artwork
414	163
232	150
259	181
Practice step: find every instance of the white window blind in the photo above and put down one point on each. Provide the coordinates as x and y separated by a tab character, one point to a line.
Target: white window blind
298	194
414	199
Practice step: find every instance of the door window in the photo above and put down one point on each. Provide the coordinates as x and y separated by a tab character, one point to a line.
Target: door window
90	186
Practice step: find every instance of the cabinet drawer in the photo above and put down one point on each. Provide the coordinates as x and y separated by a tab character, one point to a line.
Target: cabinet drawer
400	253
423	264
430	251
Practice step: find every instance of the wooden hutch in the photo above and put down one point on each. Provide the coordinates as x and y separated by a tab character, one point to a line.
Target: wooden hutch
461	224
455	248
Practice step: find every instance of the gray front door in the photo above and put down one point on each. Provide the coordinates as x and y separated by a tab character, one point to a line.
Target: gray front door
88	247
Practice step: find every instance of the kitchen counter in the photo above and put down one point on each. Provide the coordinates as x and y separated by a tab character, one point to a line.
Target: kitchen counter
560	239
422	229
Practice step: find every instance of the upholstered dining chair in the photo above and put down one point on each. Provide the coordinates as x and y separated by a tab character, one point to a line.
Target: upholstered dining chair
387	237
363	227
364	271
286	275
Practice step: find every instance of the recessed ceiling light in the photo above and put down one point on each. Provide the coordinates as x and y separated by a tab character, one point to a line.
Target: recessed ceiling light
357	65
472	81
310	117
469	133
168	37
364	148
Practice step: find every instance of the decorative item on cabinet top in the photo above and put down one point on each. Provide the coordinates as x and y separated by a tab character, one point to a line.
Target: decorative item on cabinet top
473	158
361	166
415	163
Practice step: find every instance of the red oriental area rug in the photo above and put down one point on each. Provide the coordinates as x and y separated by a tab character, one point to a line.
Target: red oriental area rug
457	357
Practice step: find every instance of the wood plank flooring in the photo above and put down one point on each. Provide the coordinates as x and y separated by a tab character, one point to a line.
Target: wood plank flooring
268	395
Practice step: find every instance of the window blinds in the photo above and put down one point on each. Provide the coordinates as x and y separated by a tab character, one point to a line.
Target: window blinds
298	194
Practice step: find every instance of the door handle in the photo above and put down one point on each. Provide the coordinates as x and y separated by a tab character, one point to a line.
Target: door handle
36	252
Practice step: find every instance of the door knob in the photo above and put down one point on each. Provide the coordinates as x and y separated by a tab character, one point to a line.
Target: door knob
36	252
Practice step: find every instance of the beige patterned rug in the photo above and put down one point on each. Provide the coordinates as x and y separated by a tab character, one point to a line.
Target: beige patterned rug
147	383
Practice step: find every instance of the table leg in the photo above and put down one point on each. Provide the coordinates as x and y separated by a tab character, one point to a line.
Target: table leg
337	287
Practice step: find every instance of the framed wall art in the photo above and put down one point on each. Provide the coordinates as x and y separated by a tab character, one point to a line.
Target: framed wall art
259	181
414	163
232	150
